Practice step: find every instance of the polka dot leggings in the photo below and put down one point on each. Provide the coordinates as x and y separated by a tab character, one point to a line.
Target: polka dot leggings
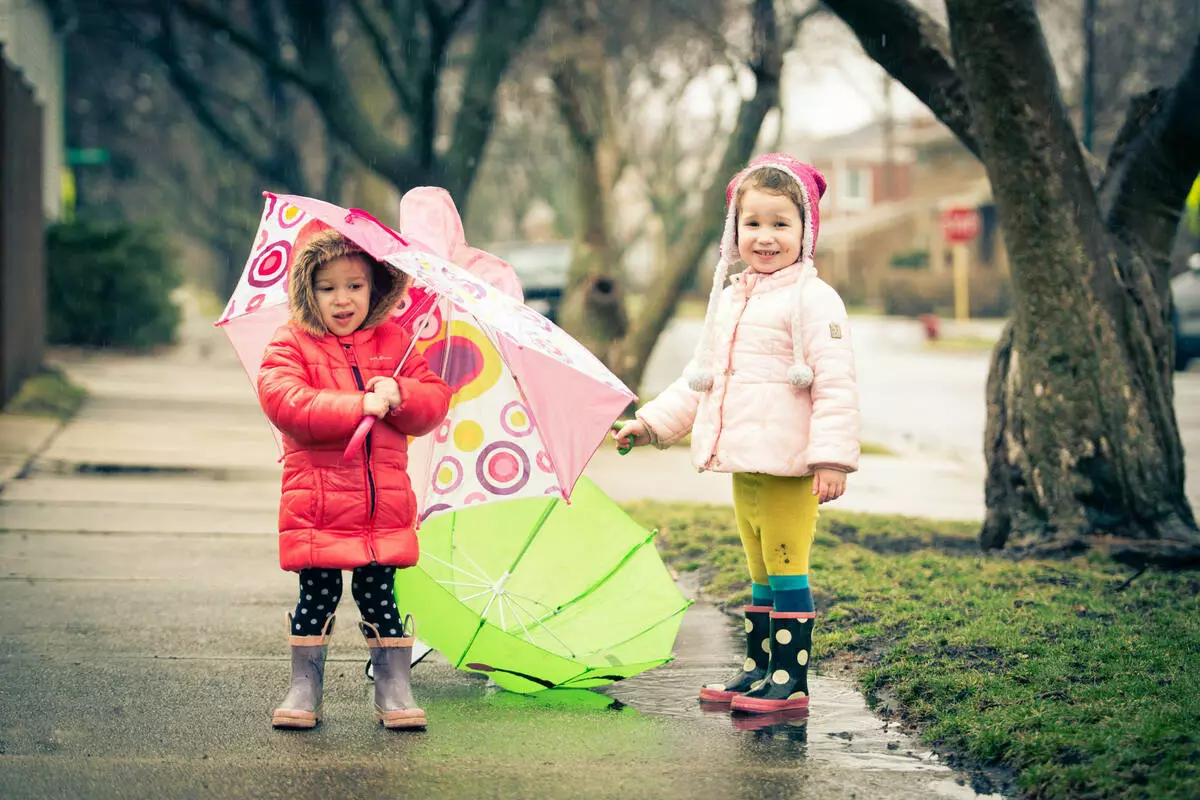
320	590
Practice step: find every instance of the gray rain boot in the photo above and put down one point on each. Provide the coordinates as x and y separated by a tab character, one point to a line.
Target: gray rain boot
391	662
302	706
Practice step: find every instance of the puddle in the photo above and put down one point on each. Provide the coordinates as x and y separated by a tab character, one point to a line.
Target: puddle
838	730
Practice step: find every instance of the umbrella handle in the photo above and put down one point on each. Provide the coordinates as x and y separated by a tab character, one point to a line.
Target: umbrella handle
360	435
623	449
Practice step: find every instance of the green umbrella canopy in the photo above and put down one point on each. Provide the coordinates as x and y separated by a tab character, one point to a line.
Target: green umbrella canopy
541	594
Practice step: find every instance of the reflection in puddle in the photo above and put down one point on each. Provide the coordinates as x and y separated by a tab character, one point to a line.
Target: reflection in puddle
838	730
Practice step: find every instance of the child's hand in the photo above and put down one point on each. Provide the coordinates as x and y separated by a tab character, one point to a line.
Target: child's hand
375	406
631	434
387	388
828	484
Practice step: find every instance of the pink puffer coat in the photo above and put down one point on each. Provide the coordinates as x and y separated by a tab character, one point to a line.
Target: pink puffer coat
753	419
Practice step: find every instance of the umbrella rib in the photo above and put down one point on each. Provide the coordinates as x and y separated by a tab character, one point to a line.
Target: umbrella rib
483	576
544	627
632	552
531	600
517	617
486	581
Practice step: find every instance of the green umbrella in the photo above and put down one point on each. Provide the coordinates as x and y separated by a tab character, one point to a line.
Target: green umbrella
541	594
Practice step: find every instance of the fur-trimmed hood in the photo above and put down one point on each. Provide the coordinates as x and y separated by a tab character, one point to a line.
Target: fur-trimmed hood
388	283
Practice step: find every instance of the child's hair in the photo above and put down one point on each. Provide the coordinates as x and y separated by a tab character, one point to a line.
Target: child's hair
772	180
387	283
329	245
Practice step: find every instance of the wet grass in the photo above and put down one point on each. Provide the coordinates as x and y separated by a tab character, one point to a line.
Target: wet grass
961	344
1057	673
47	394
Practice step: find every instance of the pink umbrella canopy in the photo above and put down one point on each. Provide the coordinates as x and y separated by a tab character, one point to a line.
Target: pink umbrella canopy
530	404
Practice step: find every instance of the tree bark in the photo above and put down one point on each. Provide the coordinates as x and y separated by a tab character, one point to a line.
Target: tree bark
1082	439
1082	443
593	307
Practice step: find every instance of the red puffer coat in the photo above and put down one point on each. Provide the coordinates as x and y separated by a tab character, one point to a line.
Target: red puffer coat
333	513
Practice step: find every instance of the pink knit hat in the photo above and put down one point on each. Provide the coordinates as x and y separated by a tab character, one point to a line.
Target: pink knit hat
812	188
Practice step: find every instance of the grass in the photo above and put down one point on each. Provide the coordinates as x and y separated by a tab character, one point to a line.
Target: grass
47	394
961	344
1050	672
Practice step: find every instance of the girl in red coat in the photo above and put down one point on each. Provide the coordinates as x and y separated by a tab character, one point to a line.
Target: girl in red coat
322	372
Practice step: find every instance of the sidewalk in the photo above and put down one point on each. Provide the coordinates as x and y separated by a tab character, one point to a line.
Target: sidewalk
144	642
192	410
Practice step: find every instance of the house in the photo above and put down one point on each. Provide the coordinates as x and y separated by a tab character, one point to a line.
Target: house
31	135
881	231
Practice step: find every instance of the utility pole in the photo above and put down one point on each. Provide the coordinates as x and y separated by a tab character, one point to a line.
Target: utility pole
1089	72
889	139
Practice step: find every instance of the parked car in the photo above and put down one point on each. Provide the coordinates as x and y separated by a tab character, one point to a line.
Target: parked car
542	268
1185	287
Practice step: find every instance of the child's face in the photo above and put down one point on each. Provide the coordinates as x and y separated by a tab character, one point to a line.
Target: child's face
769	230
343	288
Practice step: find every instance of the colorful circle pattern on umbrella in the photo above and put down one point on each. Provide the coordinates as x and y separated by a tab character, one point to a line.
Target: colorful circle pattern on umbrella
255	302
544	462
516	419
433	509
448	476
290	216
468	436
270	266
503	468
466	360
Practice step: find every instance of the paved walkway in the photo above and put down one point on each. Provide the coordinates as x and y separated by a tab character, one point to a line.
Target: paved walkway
143	641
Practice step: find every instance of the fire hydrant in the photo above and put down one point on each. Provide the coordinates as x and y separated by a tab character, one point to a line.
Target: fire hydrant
932	326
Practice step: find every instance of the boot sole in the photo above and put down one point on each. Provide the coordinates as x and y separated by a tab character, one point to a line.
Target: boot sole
290	718
716	695
401	720
753	705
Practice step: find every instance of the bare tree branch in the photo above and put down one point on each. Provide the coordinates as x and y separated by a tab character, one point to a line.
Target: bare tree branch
200	13
915	50
390	66
504	28
1145	191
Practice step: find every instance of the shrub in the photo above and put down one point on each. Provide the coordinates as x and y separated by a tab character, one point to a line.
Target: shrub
911	259
110	285
909	293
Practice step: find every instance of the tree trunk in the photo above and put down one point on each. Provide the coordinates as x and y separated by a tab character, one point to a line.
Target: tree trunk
1082	440
593	306
594	310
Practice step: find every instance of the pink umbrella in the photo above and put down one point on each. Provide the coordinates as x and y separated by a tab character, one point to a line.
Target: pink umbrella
531	405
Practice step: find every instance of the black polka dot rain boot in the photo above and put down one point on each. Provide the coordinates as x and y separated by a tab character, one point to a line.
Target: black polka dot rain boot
301	708
754	668
786	682
391	664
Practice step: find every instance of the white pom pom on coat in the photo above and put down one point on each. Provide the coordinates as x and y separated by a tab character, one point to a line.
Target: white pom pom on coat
800	376
700	381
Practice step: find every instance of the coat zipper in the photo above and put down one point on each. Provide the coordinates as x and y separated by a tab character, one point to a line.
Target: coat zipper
366	447
728	373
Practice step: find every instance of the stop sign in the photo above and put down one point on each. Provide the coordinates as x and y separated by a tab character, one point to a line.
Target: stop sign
960	225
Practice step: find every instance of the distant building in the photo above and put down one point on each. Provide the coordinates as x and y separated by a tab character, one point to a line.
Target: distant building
880	218
31	136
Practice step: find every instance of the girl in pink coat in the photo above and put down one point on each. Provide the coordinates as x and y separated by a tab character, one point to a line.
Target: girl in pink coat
770	397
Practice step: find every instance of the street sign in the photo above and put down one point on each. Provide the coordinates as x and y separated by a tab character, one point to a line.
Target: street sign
960	225
86	156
